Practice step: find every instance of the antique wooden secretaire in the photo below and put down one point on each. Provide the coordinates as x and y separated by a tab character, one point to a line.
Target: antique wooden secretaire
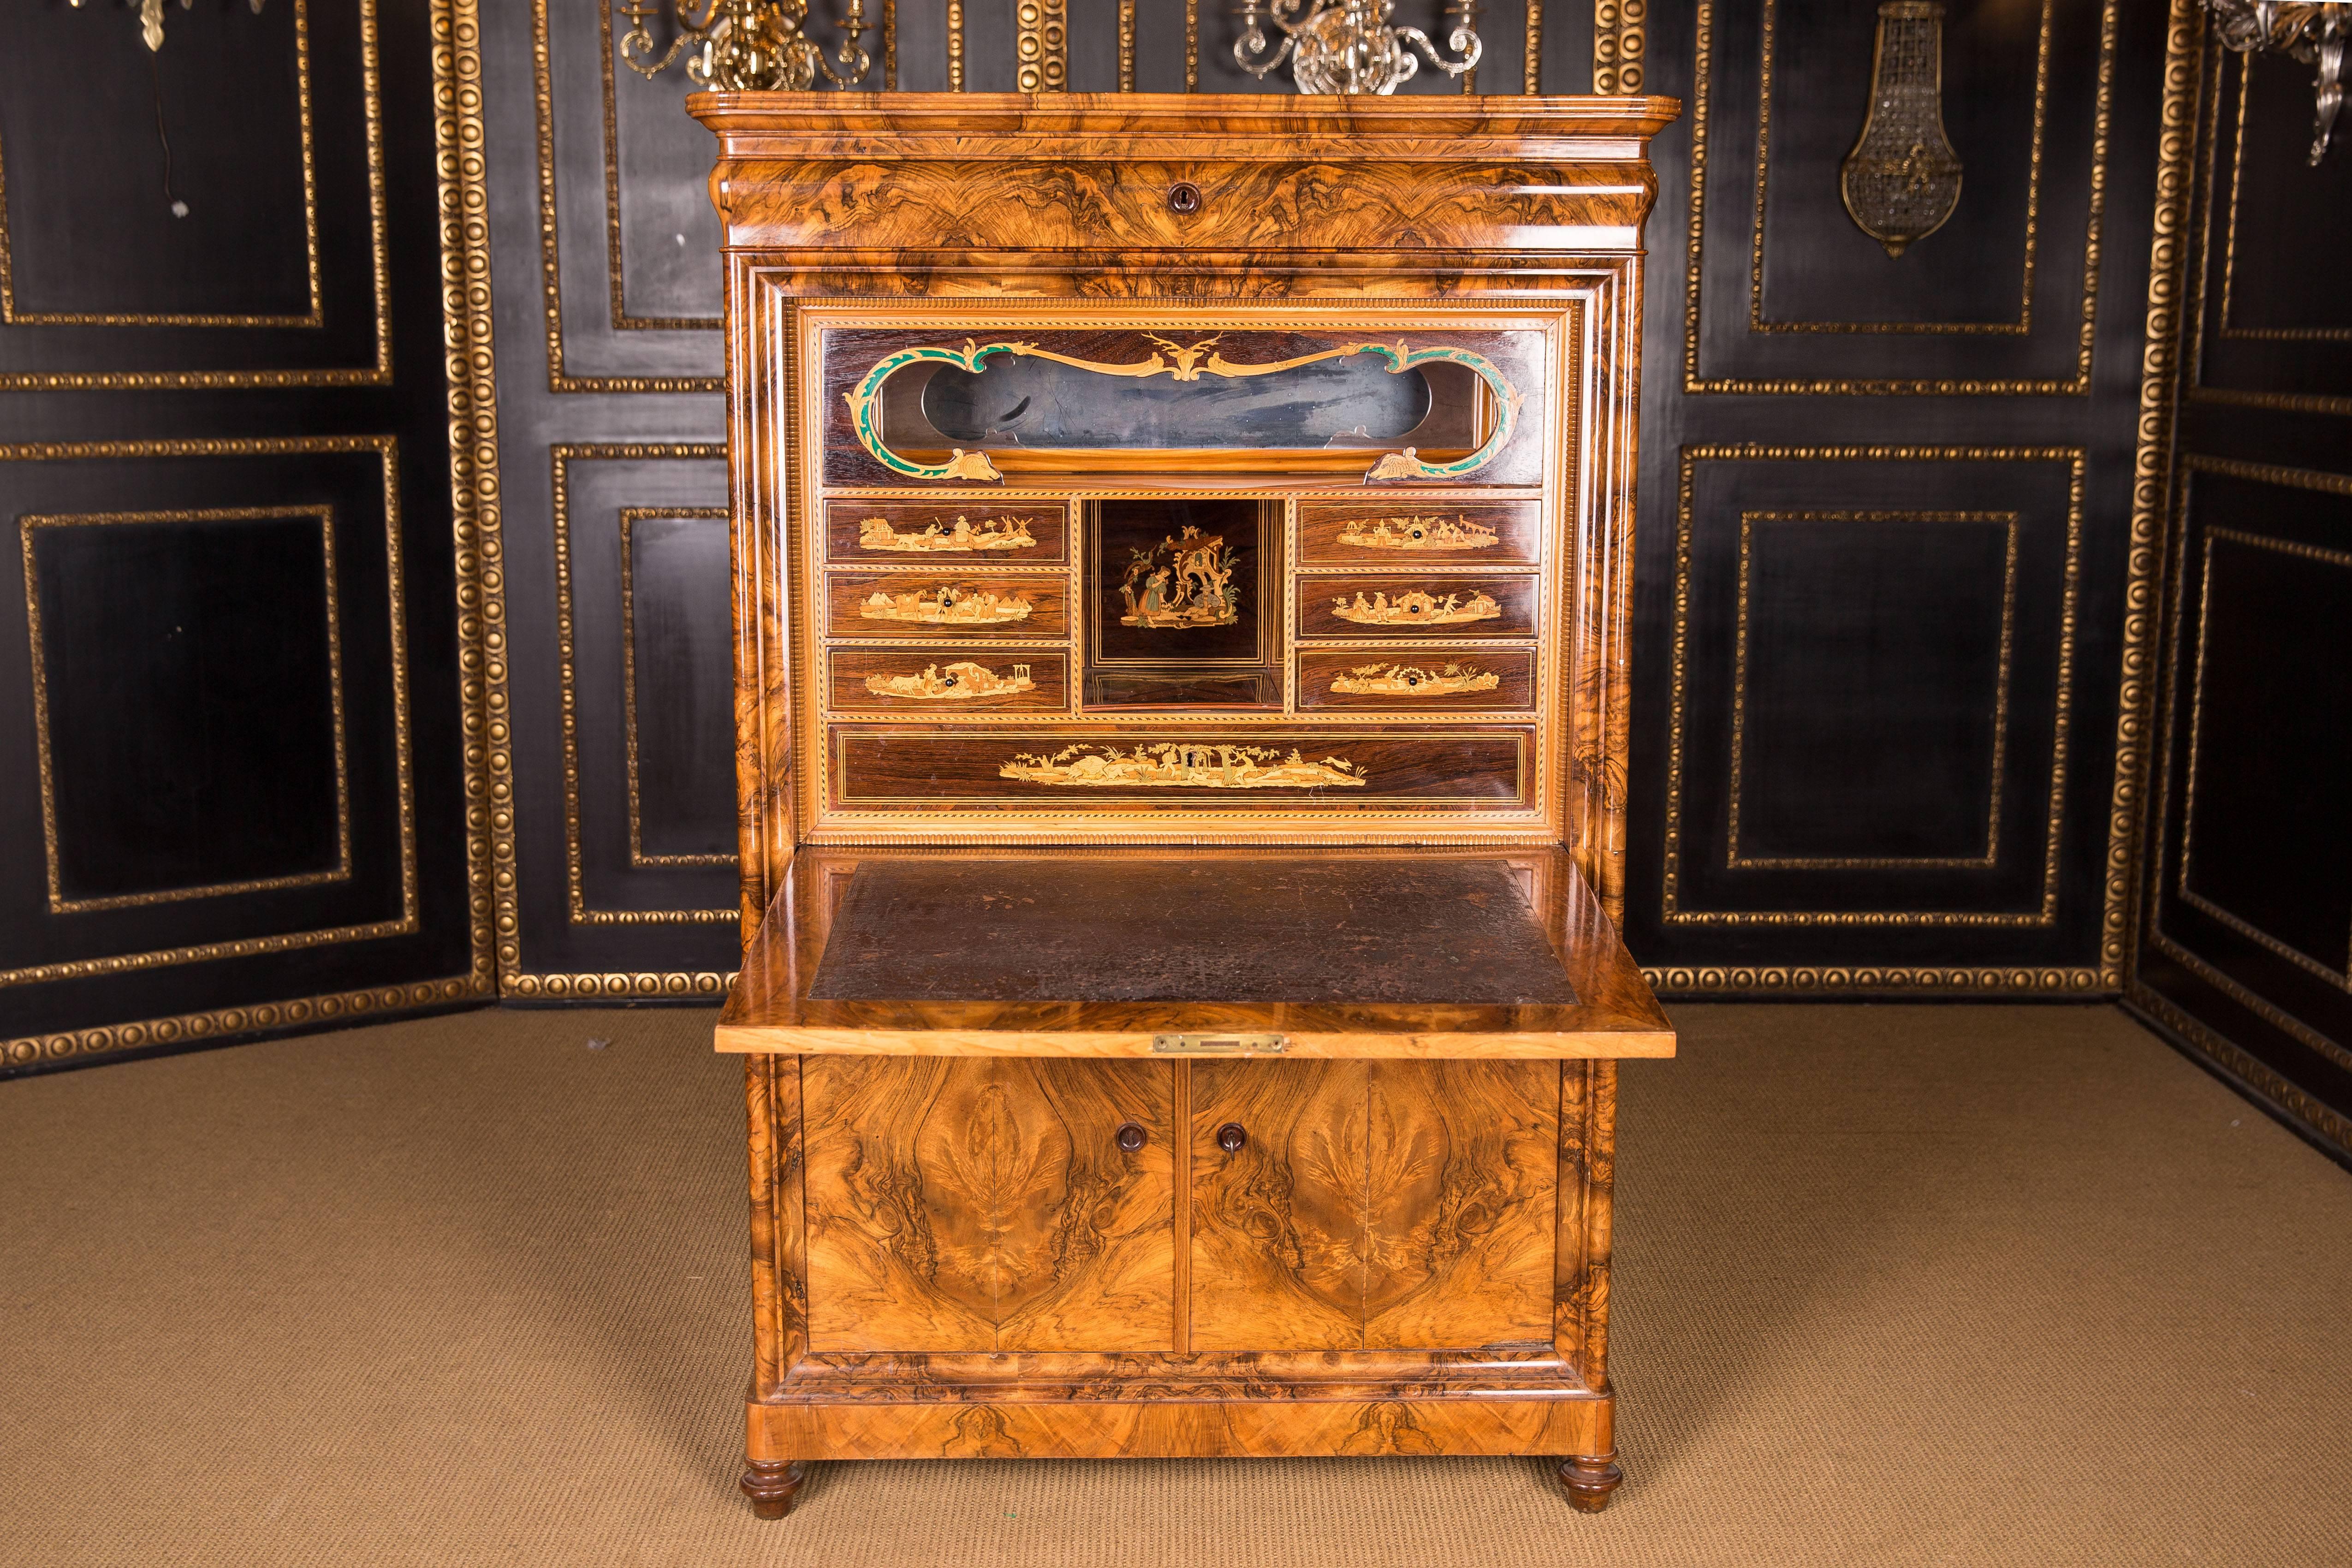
1181	554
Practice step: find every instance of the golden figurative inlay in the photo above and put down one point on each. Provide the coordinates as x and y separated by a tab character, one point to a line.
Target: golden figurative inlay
1411	681
1416	608
961	537
960	681
1416	534
947	606
1183	765
1186	582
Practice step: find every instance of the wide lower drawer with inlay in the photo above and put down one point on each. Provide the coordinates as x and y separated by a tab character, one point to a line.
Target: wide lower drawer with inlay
1278	768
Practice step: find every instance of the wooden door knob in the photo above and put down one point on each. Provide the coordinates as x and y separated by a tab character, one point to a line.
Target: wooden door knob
1130	1137
1229	1137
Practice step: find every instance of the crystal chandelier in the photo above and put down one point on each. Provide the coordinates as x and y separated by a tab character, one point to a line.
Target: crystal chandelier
744	46
151	16
2313	33
1347	45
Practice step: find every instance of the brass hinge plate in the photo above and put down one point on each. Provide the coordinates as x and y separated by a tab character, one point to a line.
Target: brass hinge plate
1219	1045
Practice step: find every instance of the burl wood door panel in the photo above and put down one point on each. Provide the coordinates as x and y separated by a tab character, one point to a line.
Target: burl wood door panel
966	1204
1388	1205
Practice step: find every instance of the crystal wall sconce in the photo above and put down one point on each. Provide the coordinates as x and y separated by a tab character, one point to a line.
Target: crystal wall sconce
1902	179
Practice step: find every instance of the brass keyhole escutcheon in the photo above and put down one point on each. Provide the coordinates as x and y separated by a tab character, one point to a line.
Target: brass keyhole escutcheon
1183	198
1229	1137
1130	1137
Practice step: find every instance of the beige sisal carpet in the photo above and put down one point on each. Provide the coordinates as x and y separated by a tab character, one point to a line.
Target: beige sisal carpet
1895	1285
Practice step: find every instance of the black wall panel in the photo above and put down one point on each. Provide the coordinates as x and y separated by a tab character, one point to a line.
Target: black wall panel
231	789
1886	677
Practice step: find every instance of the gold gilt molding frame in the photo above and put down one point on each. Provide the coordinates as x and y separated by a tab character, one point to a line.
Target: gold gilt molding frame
1040	45
2023	326
325	515
2229	242
614	271
561	457
2208	173
1695	384
2339	976
2294	1103
622	320
2046	913
380	265
313	317
630	517
408	923
559	379
1620	41
496	903
1732	859
464	202
476	503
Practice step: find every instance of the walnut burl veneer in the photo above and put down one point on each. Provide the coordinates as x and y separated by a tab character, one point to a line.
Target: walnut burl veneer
1182	556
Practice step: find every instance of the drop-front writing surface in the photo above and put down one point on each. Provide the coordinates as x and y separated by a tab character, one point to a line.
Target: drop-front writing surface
1181	685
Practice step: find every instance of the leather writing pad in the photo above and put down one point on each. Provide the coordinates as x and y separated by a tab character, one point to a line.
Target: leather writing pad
1342	931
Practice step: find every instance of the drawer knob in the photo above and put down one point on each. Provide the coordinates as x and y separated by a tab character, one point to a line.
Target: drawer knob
1183	198
1130	1137
1229	1137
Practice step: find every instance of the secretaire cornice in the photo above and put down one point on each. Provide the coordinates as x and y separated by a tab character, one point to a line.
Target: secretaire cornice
1490	179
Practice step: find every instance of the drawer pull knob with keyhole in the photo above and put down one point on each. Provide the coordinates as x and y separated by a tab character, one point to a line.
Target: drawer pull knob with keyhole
1229	1137
1184	198
1130	1137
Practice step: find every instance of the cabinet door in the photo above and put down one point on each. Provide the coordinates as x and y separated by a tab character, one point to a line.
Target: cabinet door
1392	1204
963	1204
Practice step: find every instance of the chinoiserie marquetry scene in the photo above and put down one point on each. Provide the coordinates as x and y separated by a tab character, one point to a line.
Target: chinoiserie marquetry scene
1507	781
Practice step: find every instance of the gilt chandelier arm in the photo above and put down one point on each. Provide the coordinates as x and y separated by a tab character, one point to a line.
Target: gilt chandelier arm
151	18
743	46
2313	31
1347	45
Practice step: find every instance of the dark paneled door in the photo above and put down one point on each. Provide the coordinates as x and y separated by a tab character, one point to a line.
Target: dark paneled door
232	793
1890	626
2246	927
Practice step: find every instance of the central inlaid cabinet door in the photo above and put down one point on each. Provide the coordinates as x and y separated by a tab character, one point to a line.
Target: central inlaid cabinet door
1380	1204
980	1204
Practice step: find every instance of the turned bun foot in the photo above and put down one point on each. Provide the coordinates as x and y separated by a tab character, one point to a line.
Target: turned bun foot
1589	1479
769	1484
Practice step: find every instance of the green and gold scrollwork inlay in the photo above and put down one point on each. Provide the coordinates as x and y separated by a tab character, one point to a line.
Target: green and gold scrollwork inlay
1182	362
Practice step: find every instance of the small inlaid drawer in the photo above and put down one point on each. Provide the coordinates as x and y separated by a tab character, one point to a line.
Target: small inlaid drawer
1246	768
984	534
1415	679
926	680
1400	531
948	605
1464	604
